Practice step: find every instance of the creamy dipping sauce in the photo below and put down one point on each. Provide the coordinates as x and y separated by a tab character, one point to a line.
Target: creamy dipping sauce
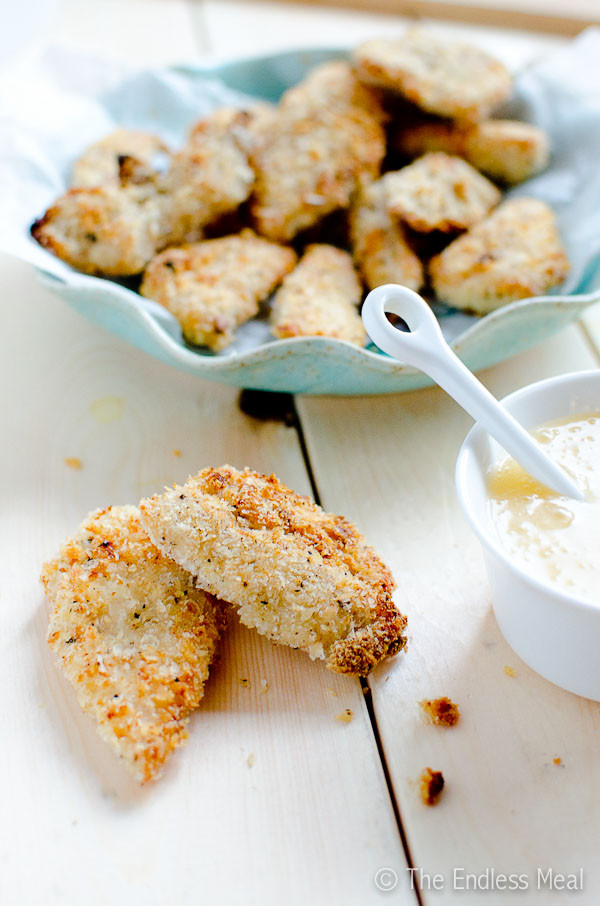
554	538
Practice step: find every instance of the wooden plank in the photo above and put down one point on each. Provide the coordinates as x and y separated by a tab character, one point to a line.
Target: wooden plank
143	32
272	26
388	462
312	813
553	16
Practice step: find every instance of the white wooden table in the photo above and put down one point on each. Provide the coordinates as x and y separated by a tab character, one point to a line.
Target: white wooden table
273	800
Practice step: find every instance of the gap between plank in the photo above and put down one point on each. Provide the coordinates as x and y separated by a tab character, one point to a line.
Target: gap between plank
366	689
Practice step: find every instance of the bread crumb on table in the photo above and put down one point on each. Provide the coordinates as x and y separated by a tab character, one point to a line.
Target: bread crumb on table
431	786
73	462
264	686
441	711
509	670
251	759
345	716
557	760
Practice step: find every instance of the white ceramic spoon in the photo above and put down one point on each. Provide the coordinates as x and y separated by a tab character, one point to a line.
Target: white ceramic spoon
423	346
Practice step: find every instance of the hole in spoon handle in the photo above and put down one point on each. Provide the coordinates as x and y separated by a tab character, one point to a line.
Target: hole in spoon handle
422	344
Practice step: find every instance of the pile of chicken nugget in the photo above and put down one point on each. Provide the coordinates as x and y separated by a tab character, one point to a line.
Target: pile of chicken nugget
385	169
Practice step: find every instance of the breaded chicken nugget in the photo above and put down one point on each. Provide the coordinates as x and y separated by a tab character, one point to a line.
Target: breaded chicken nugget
309	164
319	298
439	192
444	77
210	176
134	636
101	163
381	251
505	150
104	230
514	253
212	287
300	576
334	86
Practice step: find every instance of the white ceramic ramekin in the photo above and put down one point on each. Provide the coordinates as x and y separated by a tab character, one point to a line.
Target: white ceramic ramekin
557	634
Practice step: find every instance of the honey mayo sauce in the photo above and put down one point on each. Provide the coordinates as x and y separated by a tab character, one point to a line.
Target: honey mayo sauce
554	538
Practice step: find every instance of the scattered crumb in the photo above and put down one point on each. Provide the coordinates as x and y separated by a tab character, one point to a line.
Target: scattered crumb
176	452
509	671
366	690
345	716
332	692
431	786
73	462
441	711
107	409
557	760
245	682
251	759
264	686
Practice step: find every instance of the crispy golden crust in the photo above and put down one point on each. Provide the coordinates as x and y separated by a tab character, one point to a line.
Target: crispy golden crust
334	86
309	162
319	298
212	287
439	192
431	786
101	163
133	634
298	575
442	712
380	249
451	79
514	253
506	150
210	176
104	230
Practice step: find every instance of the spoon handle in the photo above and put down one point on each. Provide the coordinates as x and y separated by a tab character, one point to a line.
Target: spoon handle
424	347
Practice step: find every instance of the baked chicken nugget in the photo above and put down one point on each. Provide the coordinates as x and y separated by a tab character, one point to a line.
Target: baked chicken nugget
102	163
506	150
439	192
309	162
380	249
104	230
319	298
300	576
133	634
451	79
210	176
514	253
214	286
334	85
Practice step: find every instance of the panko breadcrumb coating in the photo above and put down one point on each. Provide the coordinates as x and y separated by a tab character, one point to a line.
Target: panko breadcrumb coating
134	636
442	712
334	85
308	162
300	576
104	230
212	287
379	244
430	786
319	298
448	78
513	254
100	164
210	176
439	192
505	150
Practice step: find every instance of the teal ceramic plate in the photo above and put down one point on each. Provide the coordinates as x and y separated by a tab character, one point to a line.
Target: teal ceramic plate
323	366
